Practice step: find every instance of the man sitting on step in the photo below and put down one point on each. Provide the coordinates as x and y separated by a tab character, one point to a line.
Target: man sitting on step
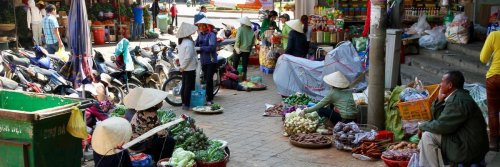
457	132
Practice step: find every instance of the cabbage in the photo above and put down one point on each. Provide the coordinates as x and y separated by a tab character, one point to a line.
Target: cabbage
182	158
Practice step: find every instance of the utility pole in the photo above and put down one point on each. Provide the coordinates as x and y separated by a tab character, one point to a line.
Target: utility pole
376	85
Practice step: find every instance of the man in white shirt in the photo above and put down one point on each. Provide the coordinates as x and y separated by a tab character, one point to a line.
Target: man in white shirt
34	18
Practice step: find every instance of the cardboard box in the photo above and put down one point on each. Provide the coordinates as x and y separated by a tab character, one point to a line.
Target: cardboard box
485	11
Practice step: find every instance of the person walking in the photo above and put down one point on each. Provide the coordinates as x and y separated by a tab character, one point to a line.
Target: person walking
155	10
243	46
138	20
173	13
34	18
297	42
206	45
188	62
491	53
51	30
201	14
285	30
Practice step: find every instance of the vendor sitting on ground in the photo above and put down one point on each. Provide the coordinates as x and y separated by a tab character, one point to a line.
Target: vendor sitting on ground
146	102
341	99
457	132
230	79
99	110
107	140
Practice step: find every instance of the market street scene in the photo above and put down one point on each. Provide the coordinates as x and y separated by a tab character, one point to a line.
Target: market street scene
278	83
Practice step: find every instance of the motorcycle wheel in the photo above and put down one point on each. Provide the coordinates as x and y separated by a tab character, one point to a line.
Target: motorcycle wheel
172	86
217	82
131	85
117	93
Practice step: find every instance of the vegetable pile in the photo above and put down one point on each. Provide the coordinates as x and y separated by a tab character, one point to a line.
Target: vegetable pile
402	146
181	158
401	151
166	115
295	124
347	136
311	138
369	149
189	138
215	107
298	99
119	111
276	110
213	154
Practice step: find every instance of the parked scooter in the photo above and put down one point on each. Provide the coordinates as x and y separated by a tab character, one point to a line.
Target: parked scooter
119	78
173	85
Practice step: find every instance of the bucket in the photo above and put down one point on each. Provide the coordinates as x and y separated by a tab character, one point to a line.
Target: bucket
319	37
326	37
99	35
198	98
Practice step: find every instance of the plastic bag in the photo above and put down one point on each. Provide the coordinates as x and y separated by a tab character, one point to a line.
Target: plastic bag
361	43
478	93
61	54
414	160
436	39
458	30
420	26
76	125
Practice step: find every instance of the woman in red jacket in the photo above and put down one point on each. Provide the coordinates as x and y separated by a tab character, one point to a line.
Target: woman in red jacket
173	13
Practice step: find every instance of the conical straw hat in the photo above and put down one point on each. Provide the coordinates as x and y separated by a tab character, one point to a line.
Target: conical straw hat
336	79
185	30
143	98
246	21
109	134
296	25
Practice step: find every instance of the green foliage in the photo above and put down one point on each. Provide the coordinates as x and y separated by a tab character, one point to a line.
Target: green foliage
107	7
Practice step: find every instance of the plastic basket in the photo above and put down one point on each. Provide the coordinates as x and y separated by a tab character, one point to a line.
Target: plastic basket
419	109
392	163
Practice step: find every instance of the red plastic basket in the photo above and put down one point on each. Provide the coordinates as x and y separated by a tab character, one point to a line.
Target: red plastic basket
393	163
213	164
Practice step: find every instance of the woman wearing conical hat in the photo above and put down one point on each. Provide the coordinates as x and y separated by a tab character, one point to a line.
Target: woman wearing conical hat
340	97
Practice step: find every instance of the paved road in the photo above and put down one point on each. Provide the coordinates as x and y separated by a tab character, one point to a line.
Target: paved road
255	140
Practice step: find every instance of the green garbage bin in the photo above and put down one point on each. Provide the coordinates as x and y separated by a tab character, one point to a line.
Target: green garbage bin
33	131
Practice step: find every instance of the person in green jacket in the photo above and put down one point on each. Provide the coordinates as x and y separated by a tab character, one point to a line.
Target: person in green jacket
284	30
457	131
244	43
341	99
268	23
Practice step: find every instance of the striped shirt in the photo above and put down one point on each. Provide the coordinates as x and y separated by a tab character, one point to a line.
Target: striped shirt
49	24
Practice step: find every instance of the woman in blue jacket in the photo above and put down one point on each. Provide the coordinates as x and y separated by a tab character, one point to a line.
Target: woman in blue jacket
206	45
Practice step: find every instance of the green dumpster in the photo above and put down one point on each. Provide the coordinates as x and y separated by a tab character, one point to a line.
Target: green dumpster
33	130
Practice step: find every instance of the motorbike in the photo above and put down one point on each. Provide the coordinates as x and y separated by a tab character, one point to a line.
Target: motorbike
144	71
120	80
161	57
174	83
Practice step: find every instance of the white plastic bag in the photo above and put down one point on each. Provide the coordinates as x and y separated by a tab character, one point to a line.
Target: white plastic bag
420	26
435	40
458	30
414	160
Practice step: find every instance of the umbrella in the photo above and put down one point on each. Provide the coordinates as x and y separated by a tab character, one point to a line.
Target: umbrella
79	68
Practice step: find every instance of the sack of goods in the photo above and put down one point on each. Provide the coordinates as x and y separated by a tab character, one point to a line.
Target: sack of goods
458	30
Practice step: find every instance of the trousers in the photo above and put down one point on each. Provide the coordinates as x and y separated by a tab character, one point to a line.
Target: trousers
430	152
244	61
36	28
188	83
208	77
493	97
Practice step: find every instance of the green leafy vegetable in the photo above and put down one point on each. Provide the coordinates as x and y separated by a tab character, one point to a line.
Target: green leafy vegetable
166	115
182	158
119	111
215	107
